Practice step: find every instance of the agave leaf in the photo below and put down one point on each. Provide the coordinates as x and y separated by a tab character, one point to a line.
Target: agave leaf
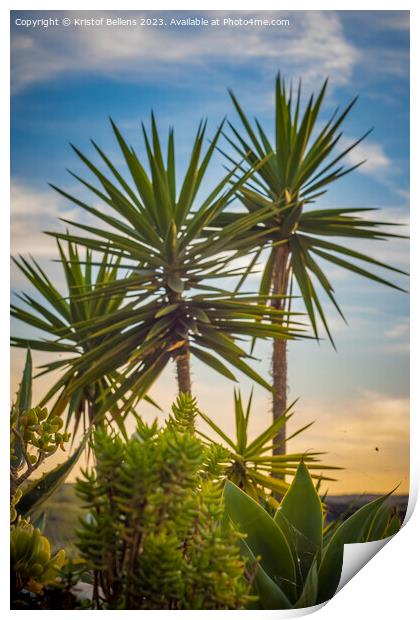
270	595
394	526
309	594
300	518
378	525
353	530
264	537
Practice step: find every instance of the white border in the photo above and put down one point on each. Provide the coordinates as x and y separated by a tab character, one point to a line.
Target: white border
387	586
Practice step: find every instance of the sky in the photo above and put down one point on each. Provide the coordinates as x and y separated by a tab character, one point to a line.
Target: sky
67	81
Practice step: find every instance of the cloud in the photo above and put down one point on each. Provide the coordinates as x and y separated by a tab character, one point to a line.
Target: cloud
33	211
399	330
398	335
376	162
372	152
314	46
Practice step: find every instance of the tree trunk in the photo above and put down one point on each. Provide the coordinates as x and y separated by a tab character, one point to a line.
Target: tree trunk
183	370
279	359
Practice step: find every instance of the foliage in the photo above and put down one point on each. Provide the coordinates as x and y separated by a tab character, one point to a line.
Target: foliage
34	436
297	565
153	535
250	464
33	431
32	565
160	233
290	174
57	316
38	491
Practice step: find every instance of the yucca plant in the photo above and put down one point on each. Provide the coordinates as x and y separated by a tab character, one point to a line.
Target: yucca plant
57	315
179	309
251	465
295	561
292	172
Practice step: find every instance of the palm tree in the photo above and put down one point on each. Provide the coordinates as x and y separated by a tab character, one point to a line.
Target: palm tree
57	316
292	172
158	232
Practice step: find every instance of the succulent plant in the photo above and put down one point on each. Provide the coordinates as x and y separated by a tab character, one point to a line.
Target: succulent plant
295	561
154	536
32	565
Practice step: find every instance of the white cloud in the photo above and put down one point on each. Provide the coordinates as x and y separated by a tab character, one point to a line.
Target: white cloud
399	330
33	211
314	46
398	336
377	161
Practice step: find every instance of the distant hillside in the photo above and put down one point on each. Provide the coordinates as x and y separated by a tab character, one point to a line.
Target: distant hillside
63	510
345	505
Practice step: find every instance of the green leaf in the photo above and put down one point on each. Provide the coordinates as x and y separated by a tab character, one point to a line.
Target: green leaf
166	310
264	537
22	404
39	490
300	518
175	283
24	395
270	596
213	362
378	526
304	162
309	595
40	521
394	526
353	530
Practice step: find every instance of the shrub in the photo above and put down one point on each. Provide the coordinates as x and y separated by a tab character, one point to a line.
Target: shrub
154	535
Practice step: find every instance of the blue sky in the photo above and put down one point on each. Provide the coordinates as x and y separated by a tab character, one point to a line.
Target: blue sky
67	81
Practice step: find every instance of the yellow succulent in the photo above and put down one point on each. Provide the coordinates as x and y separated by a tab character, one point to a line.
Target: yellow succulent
31	563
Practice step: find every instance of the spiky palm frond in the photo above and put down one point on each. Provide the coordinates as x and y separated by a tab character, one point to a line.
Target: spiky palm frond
252	466
57	315
158	230
293	170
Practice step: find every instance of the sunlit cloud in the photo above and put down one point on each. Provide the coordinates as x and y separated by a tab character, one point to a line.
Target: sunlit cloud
367	435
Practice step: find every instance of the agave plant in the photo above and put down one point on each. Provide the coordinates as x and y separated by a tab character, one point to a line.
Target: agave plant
251	464
57	316
294	561
291	173
179	309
